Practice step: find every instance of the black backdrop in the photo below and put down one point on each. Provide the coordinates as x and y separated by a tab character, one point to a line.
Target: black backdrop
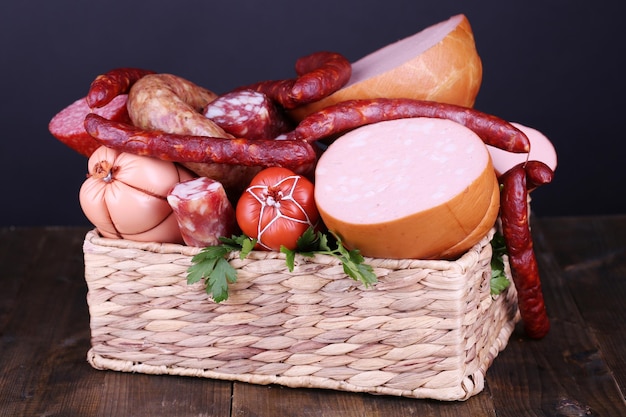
552	65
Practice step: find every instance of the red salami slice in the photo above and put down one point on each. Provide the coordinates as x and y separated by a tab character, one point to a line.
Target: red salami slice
202	210
68	124
247	114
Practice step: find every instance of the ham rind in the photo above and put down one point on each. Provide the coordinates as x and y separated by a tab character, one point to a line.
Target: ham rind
541	149
203	211
417	188
68	125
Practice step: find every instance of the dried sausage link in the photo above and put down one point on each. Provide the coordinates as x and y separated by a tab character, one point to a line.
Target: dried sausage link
537	174
105	87
319	75
351	114
292	154
518	239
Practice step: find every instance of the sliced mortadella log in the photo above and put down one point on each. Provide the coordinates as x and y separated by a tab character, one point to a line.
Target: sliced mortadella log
203	211
417	188
541	149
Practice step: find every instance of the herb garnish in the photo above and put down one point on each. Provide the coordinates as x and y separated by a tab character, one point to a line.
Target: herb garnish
211	264
499	281
311	243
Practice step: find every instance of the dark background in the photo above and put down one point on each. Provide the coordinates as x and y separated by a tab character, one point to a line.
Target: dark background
552	65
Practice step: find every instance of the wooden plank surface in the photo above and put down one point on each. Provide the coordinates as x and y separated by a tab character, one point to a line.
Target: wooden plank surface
577	370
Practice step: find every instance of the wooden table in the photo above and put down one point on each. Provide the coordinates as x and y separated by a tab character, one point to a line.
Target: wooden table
577	370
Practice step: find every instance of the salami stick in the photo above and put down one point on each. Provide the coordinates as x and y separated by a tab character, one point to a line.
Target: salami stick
291	154
519	244
319	75
350	114
107	86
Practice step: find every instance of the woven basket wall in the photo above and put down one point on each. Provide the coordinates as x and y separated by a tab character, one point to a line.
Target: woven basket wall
427	329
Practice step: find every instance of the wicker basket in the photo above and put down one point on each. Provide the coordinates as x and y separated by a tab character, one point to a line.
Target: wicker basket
427	329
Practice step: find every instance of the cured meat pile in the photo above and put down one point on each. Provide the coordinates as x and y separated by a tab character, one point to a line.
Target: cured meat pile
387	153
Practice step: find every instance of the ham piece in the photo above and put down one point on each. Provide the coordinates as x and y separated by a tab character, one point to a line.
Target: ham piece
417	188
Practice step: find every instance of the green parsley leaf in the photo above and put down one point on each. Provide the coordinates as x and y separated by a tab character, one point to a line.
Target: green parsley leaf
311	243
210	265
290	257
499	281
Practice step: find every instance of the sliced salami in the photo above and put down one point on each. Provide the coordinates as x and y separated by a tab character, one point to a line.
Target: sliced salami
68	125
203	211
247	114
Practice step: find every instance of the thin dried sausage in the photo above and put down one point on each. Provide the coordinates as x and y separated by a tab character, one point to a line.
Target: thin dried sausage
319	75
537	174
350	114
293	154
105	87
518	239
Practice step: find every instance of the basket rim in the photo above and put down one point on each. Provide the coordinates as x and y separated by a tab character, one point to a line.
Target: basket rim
463	263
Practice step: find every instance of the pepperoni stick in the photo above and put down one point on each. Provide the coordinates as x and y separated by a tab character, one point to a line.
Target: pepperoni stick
319	75
292	154
350	114
519	244
105	87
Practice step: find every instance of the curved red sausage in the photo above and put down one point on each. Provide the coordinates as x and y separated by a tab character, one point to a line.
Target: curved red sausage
350	114
292	154
537	174
519	244
319	75
105	87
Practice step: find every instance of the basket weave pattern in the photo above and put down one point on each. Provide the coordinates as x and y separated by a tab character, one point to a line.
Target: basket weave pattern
427	329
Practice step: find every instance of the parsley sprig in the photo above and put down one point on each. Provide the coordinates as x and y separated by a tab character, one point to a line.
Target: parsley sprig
212	266
499	281
311	243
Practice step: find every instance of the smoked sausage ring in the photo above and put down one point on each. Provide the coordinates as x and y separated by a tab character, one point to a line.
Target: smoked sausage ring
319	75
